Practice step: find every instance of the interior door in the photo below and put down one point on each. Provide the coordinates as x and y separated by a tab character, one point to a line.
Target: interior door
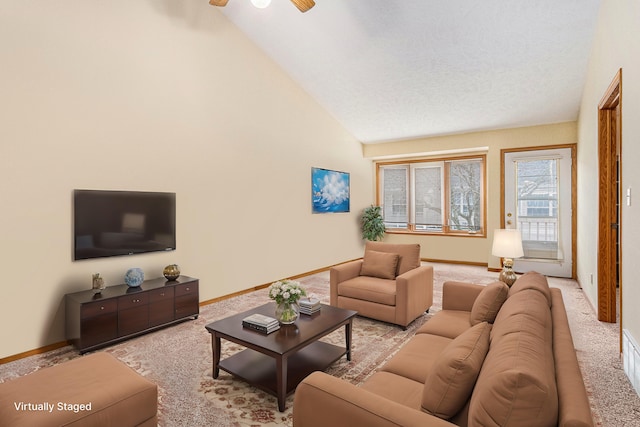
538	202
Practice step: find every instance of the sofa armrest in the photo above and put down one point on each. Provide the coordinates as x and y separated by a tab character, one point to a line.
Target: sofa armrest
459	295
573	401
322	400
339	274
414	293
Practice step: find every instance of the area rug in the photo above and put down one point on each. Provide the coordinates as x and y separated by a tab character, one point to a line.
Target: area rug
179	359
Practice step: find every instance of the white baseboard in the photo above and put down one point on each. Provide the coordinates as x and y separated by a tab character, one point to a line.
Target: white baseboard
631	359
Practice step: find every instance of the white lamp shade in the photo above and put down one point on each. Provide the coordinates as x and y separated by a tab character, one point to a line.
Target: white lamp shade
507	243
261	4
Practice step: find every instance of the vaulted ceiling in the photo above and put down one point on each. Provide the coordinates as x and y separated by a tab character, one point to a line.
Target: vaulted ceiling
393	70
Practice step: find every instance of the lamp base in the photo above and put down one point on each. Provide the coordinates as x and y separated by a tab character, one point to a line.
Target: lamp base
507	275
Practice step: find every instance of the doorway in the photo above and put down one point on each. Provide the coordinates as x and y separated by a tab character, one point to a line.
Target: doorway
539	200
609	213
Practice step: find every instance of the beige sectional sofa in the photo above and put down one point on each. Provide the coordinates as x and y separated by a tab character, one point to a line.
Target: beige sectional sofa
493	356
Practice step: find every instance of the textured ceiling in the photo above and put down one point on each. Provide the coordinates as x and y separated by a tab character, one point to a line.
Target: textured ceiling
392	70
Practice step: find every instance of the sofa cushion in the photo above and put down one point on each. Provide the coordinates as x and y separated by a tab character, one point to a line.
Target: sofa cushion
417	357
532	280
379	264
488	303
446	323
454	373
372	289
409	254
396	388
517	384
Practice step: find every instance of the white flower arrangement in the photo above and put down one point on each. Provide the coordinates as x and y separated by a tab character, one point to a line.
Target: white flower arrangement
288	291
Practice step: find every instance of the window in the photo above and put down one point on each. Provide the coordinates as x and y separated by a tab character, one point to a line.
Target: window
537	209
444	196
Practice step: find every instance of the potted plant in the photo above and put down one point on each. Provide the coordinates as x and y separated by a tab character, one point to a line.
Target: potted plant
372	223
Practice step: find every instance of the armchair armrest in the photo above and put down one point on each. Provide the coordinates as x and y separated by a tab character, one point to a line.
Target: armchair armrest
322	400
414	294
459	295
340	273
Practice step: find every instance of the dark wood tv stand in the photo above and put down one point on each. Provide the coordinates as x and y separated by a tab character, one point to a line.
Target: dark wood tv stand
120	312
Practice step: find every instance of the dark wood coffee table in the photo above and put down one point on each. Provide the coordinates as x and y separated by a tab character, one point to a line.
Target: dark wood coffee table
278	362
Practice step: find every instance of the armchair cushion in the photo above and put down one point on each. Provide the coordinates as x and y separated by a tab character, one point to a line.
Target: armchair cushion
455	371
373	289
488	303
409	254
379	264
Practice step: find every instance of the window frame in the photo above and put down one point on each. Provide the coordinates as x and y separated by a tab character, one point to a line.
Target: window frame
411	165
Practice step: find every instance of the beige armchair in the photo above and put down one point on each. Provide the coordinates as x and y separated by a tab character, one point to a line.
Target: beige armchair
387	284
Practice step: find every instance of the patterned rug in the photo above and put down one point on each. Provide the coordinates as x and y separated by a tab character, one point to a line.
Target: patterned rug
179	359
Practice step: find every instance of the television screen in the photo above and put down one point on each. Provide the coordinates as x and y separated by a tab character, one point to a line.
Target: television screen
112	223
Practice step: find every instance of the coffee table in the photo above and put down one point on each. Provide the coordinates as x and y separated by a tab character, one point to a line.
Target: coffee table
278	362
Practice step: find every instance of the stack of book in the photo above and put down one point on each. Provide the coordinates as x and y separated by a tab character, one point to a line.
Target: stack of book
261	323
309	305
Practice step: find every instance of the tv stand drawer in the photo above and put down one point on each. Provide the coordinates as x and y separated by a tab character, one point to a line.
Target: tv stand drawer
133	300
187	289
97	308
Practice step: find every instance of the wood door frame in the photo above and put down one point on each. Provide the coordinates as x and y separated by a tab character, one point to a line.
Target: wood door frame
574	192
609	146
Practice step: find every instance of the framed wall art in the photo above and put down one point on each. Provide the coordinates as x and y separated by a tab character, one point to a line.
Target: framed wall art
329	191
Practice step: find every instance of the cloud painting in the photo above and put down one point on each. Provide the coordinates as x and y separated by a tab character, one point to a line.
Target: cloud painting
330	191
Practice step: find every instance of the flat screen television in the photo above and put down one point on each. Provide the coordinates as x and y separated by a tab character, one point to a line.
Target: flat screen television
113	223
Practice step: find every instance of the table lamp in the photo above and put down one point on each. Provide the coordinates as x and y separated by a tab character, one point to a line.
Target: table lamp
507	244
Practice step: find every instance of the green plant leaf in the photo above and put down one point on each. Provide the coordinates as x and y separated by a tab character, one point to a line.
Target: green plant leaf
372	223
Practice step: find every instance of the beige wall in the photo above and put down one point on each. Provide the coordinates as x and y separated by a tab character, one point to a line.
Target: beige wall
158	96
473	249
616	45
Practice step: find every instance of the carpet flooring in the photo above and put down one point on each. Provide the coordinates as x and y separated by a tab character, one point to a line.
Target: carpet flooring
179	359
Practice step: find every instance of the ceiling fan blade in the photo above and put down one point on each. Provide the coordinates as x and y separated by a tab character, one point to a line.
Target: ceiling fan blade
304	5
218	2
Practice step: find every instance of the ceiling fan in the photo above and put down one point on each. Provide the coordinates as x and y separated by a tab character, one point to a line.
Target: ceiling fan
302	5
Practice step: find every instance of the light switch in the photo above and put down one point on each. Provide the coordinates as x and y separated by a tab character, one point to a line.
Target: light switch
629	196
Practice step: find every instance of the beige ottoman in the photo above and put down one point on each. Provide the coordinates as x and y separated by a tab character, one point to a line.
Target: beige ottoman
93	390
